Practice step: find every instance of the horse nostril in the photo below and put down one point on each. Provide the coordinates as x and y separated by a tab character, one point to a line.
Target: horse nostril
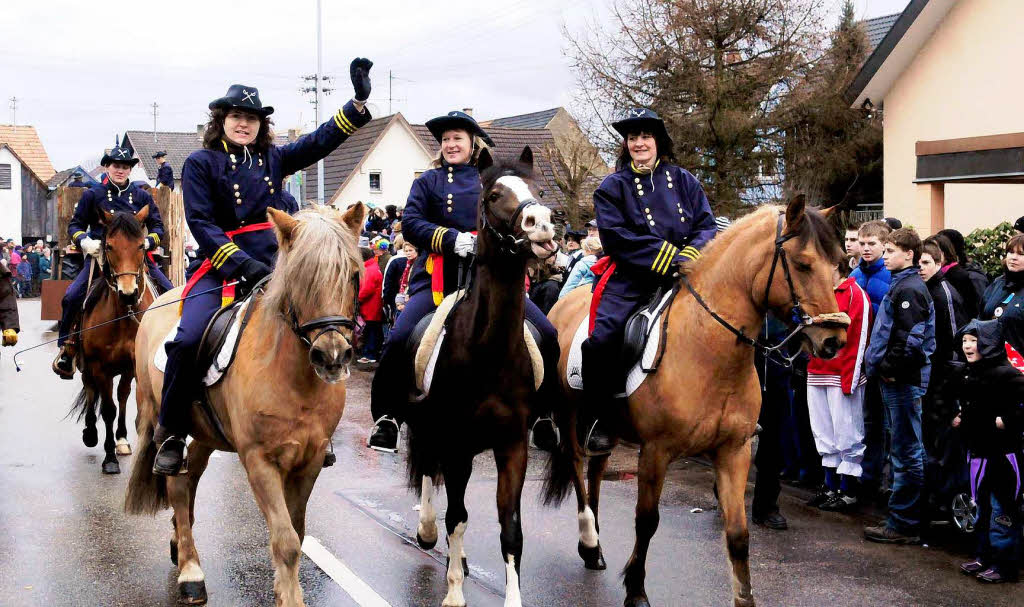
317	357
529	222
346	358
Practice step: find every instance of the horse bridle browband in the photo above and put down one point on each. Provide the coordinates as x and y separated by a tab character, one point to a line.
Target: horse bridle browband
507	243
140	276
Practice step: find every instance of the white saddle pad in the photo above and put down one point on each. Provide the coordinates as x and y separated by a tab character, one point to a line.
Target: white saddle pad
636	375
220	362
430	347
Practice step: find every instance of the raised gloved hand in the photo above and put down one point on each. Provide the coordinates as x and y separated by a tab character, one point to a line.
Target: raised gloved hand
465	243
248	274
10	337
359	70
90	246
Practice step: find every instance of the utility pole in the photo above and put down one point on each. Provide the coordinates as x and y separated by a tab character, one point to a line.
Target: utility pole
390	80
14	113
316	107
155	106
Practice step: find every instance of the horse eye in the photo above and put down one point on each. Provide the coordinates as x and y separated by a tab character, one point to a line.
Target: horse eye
803	267
493	197
142	247
540	194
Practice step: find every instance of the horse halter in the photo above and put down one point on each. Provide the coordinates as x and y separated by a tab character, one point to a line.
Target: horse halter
324	324
797	313
140	277
507	243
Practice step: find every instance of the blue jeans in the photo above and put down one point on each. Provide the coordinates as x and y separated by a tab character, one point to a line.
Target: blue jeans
902	404
999	523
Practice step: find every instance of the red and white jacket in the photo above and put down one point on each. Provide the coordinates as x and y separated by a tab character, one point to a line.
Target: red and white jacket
846	370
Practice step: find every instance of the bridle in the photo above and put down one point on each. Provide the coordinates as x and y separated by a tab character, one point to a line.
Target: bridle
800	318
508	244
140	276
324	324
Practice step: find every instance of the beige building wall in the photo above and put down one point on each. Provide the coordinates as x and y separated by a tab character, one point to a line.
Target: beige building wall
399	158
963	83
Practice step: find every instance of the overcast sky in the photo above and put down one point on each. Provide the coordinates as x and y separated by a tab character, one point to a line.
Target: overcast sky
85	72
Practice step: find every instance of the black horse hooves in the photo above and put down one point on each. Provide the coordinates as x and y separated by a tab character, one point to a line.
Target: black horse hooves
111	467
424	544
174	553
90	437
637	601
192	593
465	565
592	557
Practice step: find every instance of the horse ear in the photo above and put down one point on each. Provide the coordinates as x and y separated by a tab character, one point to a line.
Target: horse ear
526	158
484	161
353	218
795	212
143	214
107	217
283	222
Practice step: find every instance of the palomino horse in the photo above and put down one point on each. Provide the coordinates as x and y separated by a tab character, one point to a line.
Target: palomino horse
705	398
482	394
279	402
122	289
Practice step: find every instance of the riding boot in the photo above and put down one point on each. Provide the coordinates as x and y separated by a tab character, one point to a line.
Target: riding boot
594	436
170	457
384	436
64	364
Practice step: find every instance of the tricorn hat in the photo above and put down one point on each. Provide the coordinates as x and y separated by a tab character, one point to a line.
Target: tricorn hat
244	98
641	119
160	154
456	120
119	153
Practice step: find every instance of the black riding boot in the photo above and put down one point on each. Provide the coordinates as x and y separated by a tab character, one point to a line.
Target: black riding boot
64	364
170	457
593	434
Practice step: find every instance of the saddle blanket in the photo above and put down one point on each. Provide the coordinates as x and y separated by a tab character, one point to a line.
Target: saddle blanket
638	372
224	355
430	347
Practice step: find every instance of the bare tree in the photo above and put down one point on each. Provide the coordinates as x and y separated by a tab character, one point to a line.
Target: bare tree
578	169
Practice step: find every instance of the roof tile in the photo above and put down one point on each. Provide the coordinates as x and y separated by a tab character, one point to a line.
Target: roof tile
24	140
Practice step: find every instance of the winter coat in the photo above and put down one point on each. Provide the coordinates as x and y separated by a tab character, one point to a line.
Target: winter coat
986	389
1004	300
903	335
44	266
580	274
950	317
8	301
25	270
545	293
370	305
393	280
846	369
874	279
958	277
978	277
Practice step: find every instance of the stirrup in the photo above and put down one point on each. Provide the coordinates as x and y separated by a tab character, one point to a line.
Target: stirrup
398	434
61	372
182	467
586	442
558	433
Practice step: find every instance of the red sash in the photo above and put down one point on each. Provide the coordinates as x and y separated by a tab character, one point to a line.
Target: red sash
435	267
1016	359
604	268
228	293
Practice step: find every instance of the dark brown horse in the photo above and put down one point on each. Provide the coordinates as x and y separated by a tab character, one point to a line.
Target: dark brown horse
704	397
122	288
483	390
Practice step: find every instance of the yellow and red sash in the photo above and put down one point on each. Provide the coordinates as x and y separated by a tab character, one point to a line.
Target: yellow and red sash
228	293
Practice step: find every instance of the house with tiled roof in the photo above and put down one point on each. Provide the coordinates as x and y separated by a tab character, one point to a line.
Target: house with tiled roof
877	28
65	177
25	211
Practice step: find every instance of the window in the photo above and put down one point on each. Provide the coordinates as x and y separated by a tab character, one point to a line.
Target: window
374	181
5	176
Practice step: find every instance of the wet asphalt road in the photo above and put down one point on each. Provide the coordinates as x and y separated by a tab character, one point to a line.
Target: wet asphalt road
64	539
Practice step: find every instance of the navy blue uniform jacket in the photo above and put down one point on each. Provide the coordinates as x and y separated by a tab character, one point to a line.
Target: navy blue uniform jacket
225	190
99	198
165	175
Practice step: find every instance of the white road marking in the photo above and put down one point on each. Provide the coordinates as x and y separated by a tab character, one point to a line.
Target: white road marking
356	588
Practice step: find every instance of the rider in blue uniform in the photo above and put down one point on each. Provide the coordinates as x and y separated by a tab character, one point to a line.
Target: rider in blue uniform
440	219
652	216
165	174
227	187
86	232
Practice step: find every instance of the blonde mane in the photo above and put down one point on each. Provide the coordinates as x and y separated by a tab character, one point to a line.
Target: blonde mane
736	230
315	269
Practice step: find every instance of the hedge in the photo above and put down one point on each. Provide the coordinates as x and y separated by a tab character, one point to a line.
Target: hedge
987	246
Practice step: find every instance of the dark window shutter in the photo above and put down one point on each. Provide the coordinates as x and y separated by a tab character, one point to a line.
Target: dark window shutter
5	176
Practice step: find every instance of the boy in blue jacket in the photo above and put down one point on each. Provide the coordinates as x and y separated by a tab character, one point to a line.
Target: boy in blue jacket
899	356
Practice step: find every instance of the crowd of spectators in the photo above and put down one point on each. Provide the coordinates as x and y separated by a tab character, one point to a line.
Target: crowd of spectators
28	266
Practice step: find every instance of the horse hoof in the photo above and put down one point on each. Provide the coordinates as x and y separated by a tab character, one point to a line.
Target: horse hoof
743	601
174	553
637	601
123	447
192	593
424	544
592	557
111	467
90	437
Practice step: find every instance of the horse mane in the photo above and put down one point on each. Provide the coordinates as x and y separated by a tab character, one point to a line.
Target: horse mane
125	223
316	267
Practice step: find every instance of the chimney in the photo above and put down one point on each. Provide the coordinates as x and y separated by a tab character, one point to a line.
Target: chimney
468	110
200	131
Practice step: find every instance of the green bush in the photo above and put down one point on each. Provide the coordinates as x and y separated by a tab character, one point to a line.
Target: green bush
987	246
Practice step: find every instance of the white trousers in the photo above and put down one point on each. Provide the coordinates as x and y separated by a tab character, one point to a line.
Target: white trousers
837	422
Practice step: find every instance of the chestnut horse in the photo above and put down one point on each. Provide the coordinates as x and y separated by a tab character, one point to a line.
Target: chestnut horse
483	391
278	403
704	397
122	289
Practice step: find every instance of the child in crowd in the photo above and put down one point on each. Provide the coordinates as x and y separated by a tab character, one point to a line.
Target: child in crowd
991	420
852	242
371	308
835	399
902	343
871	273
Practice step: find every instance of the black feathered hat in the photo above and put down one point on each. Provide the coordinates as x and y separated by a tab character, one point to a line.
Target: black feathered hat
456	120
641	119
121	154
244	98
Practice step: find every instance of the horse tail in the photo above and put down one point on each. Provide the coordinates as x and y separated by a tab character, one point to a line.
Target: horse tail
147	492
84	403
561	464
425	435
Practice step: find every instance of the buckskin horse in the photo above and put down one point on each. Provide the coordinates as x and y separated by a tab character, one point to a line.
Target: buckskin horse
705	397
484	386
279	402
108	351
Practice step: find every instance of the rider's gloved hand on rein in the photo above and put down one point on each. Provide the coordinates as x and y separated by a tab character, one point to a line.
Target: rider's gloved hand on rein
359	70
248	274
90	246
465	243
150	244
10	337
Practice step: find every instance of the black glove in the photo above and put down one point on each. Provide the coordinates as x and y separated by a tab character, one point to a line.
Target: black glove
248	274
360	72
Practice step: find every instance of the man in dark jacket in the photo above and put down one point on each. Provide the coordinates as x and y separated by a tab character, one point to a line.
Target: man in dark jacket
165	174
902	343
975	272
393	279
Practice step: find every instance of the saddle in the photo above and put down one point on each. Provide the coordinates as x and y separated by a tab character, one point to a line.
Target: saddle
424	345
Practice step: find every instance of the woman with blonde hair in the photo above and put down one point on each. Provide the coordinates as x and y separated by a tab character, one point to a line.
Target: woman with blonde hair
581	273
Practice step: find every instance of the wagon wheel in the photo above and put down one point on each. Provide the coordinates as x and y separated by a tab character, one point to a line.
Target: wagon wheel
965	512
